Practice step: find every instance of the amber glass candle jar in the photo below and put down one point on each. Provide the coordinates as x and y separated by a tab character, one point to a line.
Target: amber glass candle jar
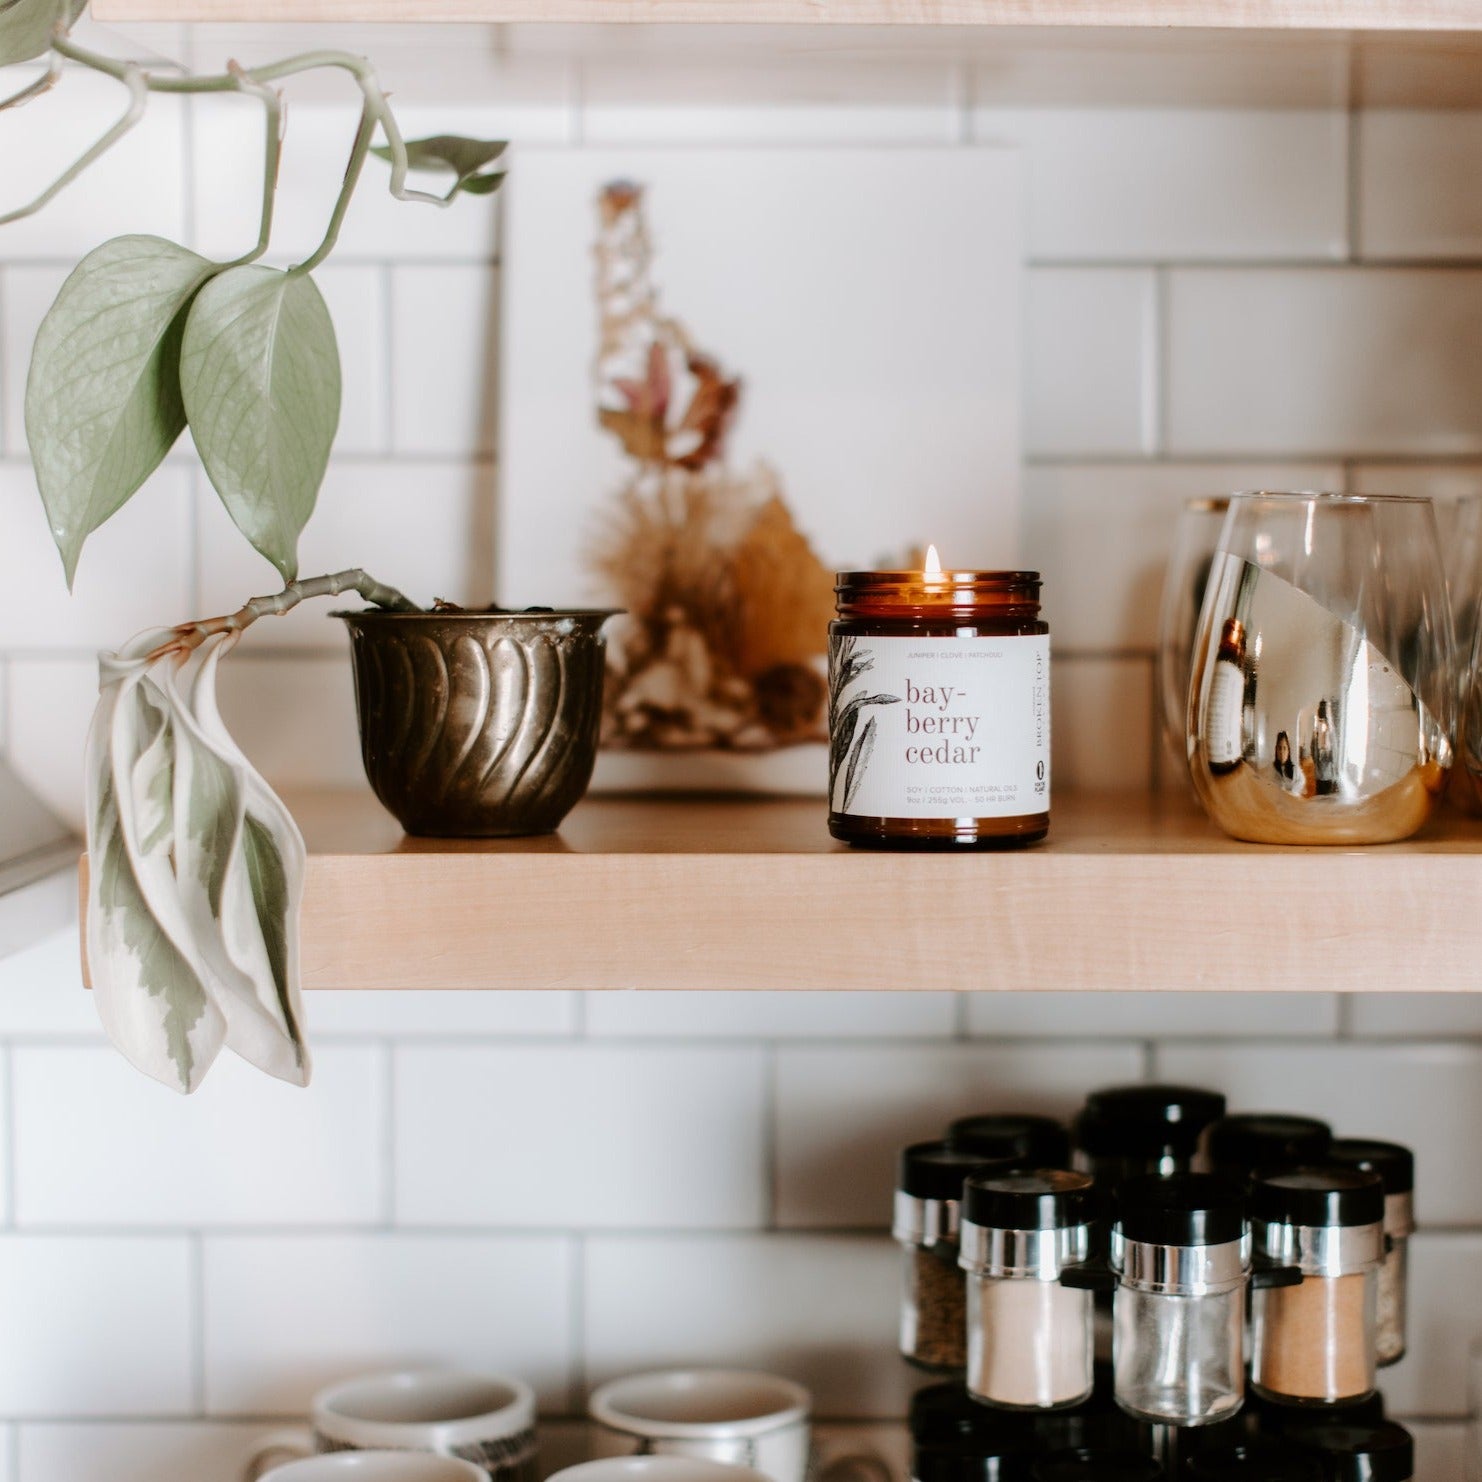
939	709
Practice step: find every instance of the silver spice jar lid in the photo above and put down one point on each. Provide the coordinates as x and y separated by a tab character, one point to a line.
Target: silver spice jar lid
928	1192
1030	1224
1327	1220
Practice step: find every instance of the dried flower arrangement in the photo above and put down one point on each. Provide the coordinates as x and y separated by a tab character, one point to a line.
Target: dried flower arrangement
725	640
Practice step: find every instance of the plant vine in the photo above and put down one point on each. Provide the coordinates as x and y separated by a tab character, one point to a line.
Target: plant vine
147	338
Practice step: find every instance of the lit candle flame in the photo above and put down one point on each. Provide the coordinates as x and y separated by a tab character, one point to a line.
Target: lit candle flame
933	562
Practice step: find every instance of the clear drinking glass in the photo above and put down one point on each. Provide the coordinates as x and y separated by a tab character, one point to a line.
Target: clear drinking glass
1184	579
1323	695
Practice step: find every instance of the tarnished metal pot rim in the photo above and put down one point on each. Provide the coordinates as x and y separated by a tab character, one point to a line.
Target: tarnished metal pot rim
598	615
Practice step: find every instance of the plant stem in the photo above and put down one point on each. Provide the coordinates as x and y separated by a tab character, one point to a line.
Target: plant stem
135	79
43	84
272	102
359	150
190	636
310	61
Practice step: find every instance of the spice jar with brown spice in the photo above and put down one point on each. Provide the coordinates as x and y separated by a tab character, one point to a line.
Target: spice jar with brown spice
1395	1166
1028	1337
1314	1344
928	1212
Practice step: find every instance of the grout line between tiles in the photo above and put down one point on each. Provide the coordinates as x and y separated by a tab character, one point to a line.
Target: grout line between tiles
1354	254
1156	387
961	101
388	1136
387	285
771	1163
576	1372
10	1139
4	357
196	1265
579	103
13	1451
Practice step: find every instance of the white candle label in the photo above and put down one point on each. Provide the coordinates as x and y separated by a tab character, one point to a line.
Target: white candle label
939	727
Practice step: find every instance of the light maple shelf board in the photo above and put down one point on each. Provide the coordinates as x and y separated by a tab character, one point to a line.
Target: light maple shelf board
1129	892
1358	15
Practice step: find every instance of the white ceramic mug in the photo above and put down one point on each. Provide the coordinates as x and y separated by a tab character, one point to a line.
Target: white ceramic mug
486	1419
656	1469
377	1466
738	1416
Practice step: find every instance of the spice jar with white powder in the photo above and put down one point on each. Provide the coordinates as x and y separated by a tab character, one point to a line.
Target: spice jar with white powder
1315	1344
1395	1166
928	1202
1028	1337
1182	1255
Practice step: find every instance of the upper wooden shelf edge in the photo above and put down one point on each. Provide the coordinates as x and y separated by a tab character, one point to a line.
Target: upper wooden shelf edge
1129	892
1278	15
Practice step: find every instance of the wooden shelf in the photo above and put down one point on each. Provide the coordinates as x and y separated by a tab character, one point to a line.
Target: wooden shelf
1280	15
1129	892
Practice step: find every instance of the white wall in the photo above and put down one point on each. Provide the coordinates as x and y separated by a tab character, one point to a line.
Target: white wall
570	1185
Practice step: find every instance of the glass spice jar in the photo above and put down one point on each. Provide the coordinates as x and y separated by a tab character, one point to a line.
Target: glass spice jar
1029	1141
1028	1337
1314	1344
1182	1255
1235	1147
939	709
1395	1166
928	1205
1127	1131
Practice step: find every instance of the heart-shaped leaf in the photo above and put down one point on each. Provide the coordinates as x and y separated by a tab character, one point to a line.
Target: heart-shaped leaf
463	158
260	374
26	26
103	400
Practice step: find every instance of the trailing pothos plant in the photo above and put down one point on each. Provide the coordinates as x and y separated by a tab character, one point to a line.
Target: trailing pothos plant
196	865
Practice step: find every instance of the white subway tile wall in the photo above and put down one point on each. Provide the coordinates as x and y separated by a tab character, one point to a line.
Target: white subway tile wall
568	1185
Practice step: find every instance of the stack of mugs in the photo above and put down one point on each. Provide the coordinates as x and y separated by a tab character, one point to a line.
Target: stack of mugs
682	1425
1110	1293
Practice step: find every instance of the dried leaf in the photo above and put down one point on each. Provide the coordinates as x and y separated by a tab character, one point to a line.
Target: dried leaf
784	594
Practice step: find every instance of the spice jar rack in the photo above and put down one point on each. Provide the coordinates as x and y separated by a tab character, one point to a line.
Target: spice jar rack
1247	1334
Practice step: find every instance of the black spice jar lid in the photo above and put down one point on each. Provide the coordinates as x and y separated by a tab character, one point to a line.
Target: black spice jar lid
1143	1121
1040	1199
959	1463
1032	1142
933	1170
1362	1453
946	1413
1394	1164
1254	1461
1182	1209
1275	1419
1317	1196
1090	1464
1244	1143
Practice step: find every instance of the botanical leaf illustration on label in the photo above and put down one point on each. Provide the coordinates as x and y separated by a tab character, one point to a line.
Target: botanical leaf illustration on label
850	744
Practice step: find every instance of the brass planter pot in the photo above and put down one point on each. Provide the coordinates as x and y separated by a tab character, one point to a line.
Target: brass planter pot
478	725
